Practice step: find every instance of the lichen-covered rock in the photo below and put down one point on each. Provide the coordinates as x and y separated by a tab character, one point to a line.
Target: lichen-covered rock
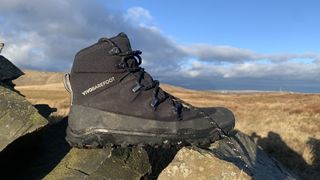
237	157
121	163
17	117
8	71
192	164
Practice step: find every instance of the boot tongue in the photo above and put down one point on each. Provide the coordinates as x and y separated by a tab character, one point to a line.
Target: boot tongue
99	57
122	41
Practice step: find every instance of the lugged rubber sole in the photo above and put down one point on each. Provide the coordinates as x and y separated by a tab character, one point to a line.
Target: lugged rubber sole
107	139
92	128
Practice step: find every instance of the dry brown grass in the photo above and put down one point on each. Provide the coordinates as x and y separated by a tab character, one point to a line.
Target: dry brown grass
285	125
54	96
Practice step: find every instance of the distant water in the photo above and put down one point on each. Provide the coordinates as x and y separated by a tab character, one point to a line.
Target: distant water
245	84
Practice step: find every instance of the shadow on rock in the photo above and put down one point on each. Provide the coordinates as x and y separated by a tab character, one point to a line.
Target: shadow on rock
274	145
159	159
113	163
35	155
45	110
241	150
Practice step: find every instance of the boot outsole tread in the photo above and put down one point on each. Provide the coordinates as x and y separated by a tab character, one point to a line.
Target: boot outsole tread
93	141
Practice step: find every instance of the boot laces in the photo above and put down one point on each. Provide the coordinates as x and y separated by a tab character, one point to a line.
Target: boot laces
133	66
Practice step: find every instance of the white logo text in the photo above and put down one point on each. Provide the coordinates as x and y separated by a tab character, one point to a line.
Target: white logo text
97	86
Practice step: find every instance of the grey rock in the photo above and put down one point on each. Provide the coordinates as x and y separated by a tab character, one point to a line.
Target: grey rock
8	71
237	157
190	163
108	163
17	117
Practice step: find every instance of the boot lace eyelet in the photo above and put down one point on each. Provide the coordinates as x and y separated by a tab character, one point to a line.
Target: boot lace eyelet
114	51
154	103
137	87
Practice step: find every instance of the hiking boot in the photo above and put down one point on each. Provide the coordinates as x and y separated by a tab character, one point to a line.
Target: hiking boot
115	102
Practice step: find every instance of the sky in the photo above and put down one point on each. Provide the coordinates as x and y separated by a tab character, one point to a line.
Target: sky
205	44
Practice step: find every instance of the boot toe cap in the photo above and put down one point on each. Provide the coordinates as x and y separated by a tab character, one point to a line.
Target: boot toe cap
223	117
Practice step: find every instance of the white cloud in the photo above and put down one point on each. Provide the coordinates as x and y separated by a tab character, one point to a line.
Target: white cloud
213	53
138	14
46	35
283	71
21	48
64	27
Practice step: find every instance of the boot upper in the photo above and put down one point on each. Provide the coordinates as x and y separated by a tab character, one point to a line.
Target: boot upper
107	76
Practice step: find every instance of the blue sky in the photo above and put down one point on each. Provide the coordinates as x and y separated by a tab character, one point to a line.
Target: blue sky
263	26
234	45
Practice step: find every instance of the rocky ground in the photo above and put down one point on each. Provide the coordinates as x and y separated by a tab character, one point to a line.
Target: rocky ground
45	155
17	116
33	147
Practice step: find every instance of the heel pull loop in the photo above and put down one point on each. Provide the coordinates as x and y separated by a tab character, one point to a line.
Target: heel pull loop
67	85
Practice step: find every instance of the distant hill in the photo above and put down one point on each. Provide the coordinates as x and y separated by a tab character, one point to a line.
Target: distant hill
55	79
32	77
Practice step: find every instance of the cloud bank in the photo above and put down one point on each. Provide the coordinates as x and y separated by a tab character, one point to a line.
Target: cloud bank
45	35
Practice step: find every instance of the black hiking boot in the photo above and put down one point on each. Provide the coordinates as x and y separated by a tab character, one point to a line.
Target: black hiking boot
115	102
